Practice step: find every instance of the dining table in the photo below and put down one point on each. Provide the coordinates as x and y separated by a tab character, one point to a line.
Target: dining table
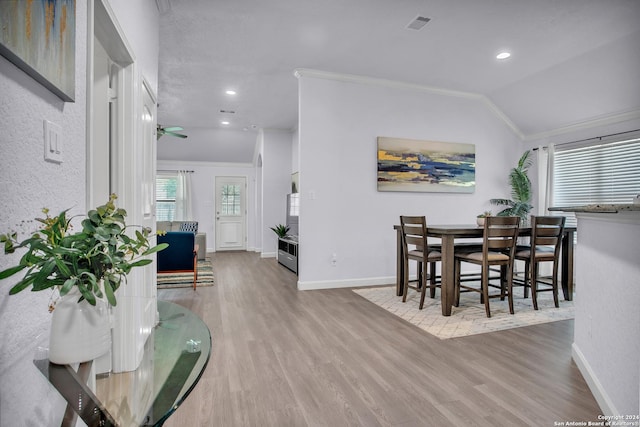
449	235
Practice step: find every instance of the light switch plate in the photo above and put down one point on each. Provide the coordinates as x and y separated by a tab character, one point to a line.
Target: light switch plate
52	142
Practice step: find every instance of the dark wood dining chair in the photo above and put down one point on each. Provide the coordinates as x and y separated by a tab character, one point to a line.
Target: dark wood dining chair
498	249
546	239
416	248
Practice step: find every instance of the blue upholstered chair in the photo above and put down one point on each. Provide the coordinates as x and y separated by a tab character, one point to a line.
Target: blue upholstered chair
180	256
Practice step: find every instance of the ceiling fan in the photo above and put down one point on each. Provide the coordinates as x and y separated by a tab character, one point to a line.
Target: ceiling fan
170	130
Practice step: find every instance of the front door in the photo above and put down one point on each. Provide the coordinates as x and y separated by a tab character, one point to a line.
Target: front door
231	213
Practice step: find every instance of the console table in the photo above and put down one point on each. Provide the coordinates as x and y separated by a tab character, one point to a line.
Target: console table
176	354
288	252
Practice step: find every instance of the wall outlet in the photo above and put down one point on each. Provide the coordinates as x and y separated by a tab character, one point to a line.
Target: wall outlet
334	259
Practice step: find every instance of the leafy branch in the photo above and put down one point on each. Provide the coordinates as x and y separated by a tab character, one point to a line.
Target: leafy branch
95	259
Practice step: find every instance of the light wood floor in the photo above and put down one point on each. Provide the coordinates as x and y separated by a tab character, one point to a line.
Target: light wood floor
283	357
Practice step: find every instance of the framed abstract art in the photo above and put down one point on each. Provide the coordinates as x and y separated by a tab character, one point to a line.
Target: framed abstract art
39	37
426	166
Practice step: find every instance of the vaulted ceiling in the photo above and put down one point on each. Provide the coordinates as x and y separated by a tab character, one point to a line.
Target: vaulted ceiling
572	61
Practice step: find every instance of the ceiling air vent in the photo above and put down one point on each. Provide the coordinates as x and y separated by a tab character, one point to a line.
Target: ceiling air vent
418	23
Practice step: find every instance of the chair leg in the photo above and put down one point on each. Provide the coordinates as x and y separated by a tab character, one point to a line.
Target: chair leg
195	269
534	284
526	277
423	288
485	290
555	284
510	288
405	287
432	279
456	283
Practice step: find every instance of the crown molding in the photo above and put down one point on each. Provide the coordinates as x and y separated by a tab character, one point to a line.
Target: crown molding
587	124
375	81
495	110
502	116
351	78
192	164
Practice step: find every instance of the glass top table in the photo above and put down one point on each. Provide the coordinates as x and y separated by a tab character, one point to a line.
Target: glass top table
176	354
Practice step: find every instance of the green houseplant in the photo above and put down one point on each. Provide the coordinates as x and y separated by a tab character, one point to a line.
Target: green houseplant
280	230
520	203
480	217
93	261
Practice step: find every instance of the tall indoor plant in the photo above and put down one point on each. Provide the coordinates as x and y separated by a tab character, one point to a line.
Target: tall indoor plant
86	267
520	203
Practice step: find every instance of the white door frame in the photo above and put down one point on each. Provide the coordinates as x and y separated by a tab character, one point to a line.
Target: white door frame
131	324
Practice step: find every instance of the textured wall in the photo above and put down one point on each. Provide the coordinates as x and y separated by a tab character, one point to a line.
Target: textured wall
606	339
28	183
341	211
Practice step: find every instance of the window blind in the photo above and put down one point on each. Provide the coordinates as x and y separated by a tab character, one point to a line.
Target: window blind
599	173
166	197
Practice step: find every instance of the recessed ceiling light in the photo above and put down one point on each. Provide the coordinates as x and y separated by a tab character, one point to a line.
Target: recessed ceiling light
230	92
503	55
224	122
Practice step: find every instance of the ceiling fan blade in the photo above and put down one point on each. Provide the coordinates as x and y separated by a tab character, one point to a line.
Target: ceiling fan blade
169	130
179	135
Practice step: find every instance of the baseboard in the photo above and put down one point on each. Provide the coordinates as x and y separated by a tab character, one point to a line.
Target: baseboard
348	283
599	393
267	255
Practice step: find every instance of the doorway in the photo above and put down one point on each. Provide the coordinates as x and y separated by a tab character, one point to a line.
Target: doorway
231	213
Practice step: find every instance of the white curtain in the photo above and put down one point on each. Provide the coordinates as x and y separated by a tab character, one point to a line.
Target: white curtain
183	197
545	169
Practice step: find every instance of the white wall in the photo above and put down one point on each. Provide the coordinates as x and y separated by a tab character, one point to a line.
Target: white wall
276	152
602	307
28	184
203	193
606	338
139	20
295	152
341	210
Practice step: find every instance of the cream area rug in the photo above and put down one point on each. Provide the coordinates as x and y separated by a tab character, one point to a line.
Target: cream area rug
185	280
469	318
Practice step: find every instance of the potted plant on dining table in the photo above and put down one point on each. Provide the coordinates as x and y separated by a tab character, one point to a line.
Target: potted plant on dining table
85	268
480	218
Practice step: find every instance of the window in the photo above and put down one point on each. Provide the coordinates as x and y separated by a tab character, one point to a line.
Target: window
294	205
166	186
597	173
231	201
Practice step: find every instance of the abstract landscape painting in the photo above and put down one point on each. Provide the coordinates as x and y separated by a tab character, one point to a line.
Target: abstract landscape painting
39	36
426	166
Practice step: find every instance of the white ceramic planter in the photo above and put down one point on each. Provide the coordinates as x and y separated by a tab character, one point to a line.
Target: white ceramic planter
79	331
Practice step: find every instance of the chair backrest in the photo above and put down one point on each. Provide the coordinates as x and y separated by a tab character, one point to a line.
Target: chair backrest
500	234
178	256
547	231
414	232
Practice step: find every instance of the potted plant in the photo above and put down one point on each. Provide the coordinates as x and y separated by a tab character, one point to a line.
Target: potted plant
86	268
280	230
520	203
480	218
